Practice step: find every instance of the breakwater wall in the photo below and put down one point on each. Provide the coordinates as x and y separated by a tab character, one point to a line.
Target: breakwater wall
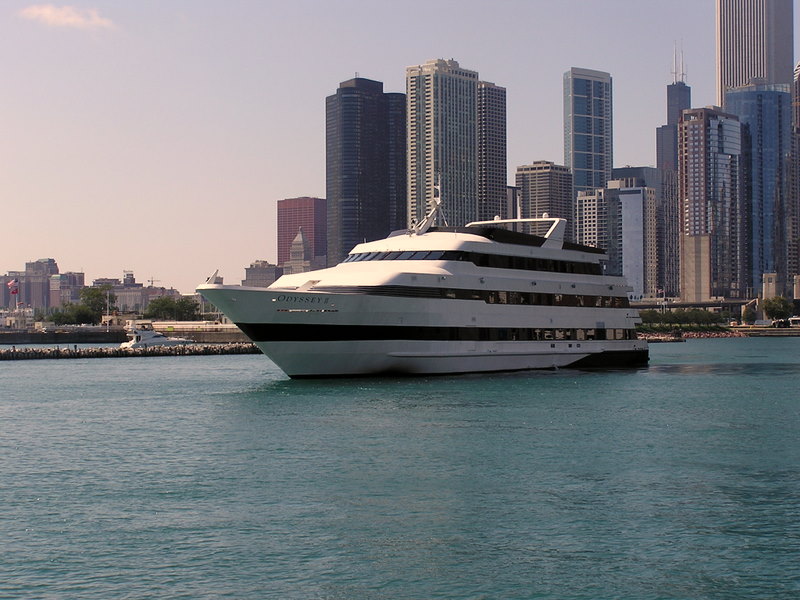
769	331
186	350
736	332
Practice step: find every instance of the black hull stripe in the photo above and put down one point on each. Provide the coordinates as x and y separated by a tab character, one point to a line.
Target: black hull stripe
271	332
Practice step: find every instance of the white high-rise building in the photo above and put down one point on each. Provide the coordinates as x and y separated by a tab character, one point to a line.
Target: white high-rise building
632	244
442	134
621	219
591	218
754	41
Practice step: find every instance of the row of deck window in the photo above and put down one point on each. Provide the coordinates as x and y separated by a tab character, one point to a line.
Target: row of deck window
494	261
487	296
512	334
541	299
517	334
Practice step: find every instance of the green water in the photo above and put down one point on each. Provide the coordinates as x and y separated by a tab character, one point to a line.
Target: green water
216	476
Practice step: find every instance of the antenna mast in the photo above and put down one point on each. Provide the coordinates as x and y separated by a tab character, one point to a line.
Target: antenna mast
678	67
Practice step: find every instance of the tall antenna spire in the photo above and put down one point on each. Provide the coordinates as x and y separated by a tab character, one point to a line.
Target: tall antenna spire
678	67
674	62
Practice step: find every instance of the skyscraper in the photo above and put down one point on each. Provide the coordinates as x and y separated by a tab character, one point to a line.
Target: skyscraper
308	214
364	163
766	112
713	216
679	98
544	187
621	219
396	181
588	127
492	159
754	40
662	184
631	235
591	218
793	217
442	130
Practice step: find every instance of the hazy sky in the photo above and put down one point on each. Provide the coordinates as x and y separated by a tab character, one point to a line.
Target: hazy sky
157	135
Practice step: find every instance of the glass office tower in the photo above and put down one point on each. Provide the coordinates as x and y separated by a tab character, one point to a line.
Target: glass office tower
588	134
766	112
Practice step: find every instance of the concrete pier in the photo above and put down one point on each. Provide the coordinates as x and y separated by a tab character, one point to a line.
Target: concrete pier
14	353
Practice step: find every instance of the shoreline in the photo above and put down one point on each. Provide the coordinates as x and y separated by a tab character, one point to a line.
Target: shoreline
682	336
742	332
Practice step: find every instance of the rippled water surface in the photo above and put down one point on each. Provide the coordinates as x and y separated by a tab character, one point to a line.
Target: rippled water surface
210	477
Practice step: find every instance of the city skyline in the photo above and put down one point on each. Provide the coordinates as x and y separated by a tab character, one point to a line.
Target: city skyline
157	139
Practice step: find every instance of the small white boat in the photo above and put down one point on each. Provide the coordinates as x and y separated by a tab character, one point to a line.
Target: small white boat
142	335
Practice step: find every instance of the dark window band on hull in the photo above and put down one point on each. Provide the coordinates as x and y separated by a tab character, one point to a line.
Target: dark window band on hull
487	296
271	332
494	261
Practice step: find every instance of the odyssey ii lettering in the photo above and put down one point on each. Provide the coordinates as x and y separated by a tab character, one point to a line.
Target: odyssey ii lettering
303	299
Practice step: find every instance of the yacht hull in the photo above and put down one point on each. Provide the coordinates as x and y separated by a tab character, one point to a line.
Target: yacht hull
352	359
311	334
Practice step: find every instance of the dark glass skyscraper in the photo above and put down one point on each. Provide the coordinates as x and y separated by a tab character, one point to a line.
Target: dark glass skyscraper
588	132
396	140
679	98
365	164
766	112
793	220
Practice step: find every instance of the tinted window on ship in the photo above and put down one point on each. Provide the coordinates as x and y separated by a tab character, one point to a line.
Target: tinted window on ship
494	261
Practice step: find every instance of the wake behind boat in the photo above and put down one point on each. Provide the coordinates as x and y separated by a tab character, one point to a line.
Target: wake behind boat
437	300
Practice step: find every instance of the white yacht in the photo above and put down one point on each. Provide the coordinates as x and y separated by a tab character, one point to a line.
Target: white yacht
437	300
142	335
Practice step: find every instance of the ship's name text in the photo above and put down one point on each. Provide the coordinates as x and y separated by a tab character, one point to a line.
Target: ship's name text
302	299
